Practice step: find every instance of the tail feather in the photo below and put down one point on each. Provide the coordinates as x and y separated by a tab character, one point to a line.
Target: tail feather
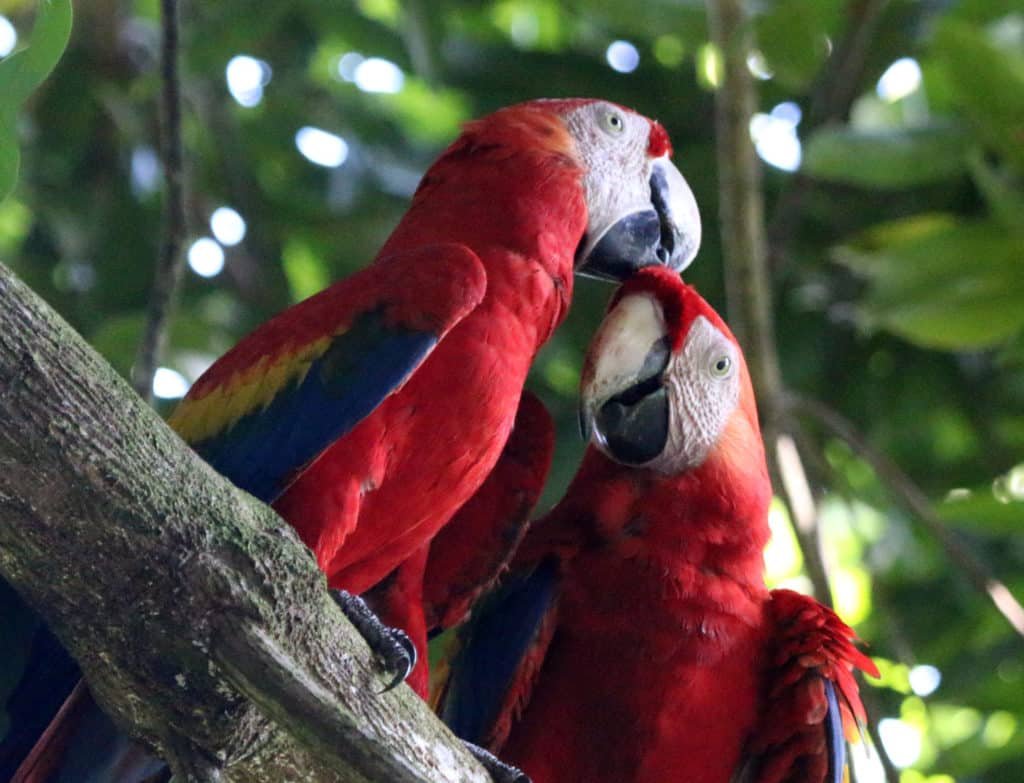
83	745
48	680
811	698
45	756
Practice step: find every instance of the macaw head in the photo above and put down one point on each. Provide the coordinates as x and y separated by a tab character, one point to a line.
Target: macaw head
664	385
640	210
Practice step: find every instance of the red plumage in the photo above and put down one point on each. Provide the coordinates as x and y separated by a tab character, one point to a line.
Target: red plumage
385	490
472	549
663	656
508	200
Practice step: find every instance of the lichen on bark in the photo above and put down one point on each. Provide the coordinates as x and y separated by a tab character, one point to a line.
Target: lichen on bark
200	620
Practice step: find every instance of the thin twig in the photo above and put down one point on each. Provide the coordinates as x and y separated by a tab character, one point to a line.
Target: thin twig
748	284
169	267
803	511
906	491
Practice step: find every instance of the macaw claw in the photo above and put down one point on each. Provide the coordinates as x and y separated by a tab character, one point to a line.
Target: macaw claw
392	646
499	771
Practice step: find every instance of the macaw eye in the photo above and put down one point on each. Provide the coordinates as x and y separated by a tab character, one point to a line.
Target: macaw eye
721	366
614	123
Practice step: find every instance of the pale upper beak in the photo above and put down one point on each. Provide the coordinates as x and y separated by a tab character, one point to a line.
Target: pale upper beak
624	402
665	230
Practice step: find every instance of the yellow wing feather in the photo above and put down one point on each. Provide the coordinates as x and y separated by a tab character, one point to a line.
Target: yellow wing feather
199	418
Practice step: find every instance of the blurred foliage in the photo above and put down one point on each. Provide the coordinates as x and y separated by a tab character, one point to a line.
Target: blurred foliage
899	288
21	73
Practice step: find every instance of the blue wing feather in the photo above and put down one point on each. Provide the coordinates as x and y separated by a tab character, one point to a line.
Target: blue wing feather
264	450
835	736
497	639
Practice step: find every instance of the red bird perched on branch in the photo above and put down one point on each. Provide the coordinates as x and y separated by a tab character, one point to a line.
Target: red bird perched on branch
635	640
369	414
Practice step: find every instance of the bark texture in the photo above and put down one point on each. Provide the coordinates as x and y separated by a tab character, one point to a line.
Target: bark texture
200	620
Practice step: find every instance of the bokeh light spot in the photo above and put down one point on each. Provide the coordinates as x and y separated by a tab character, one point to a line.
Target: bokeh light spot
321	147
206	257
145	170
622	56
902	741
899	80
8	37
169	384
774	135
924	679
227	226
347	65
246	77
375	74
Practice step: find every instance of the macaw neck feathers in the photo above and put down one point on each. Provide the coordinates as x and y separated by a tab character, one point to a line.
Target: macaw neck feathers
699	541
525	200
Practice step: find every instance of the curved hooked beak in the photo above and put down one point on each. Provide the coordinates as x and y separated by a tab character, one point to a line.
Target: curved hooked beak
624	402
665	230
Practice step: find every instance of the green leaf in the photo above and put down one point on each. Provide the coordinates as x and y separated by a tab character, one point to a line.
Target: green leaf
980	510
943	285
985	316
886	159
987	82
793	37
1004	196
22	73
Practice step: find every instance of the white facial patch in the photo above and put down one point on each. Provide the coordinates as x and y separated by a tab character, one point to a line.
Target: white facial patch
704	388
627	334
613	145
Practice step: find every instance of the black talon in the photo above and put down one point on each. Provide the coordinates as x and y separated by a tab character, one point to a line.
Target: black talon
499	771
392	646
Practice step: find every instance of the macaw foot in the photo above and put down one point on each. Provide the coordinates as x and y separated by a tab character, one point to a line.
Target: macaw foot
499	771
392	646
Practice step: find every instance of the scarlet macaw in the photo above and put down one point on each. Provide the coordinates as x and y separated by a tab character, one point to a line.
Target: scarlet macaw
635	640
369	414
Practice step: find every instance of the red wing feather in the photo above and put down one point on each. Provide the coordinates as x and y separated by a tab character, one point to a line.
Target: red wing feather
473	549
811	647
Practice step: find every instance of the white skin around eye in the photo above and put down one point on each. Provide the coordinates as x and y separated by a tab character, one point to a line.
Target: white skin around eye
618	168
704	386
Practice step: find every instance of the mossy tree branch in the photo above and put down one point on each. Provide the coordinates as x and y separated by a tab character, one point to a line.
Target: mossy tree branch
200	620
